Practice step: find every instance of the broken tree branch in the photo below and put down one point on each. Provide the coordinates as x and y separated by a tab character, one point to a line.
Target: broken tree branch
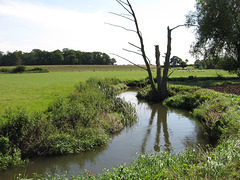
177	27
122	4
120	27
134	46
121	15
129	61
132	51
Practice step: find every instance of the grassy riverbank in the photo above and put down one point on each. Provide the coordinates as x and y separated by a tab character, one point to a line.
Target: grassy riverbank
219	113
80	121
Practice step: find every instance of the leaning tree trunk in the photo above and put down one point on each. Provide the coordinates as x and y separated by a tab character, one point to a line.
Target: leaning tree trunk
158	66
163	92
143	51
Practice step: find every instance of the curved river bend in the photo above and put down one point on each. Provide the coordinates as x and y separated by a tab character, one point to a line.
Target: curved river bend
158	129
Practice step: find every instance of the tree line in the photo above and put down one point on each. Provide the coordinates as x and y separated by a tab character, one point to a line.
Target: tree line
57	57
217	63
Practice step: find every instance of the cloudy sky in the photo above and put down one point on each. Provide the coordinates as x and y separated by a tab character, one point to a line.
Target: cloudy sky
81	25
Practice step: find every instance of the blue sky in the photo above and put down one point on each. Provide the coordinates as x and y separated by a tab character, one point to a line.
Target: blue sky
80	25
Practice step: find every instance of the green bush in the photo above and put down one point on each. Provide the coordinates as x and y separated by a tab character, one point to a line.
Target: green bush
220	113
14	125
4	145
5	70
38	70
19	69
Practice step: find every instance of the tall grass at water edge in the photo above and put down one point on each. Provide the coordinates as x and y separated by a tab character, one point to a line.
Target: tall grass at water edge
81	121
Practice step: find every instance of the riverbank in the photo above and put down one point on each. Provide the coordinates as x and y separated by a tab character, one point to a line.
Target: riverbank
81	121
220	115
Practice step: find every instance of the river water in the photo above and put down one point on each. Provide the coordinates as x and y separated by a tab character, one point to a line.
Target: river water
158	128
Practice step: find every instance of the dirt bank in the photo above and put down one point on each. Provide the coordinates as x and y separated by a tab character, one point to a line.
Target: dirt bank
229	88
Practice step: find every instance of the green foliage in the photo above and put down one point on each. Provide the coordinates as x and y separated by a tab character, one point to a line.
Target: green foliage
19	69
217	29
5	70
4	145
190	99
219	113
14	125
57	57
37	70
84	139
221	162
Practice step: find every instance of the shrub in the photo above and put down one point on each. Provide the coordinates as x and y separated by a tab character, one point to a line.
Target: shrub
4	145
38	70
14	124
19	69
5	70
219	113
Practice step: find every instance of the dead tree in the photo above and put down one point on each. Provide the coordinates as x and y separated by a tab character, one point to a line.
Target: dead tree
161	91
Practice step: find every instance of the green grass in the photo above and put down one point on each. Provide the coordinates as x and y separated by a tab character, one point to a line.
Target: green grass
35	91
201	73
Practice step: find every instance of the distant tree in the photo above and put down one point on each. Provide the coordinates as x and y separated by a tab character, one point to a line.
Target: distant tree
198	64
57	57
1	55
183	64
217	30
208	64
175	61
12	59
69	56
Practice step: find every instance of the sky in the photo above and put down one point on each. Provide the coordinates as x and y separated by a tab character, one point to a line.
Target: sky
82	25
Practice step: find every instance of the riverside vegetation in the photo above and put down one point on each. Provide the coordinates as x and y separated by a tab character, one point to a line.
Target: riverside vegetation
219	114
81	121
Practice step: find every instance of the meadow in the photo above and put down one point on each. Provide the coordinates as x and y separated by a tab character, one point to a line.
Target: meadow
36	90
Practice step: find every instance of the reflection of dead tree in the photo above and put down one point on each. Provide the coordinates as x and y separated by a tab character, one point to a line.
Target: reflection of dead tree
160	92
161	122
148	130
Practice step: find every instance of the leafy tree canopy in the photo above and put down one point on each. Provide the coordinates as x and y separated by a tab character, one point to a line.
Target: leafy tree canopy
217	25
57	57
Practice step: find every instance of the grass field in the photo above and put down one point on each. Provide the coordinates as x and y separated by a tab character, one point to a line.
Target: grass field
36	90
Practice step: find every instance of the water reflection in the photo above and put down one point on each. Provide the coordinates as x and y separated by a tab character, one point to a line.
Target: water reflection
161	112
157	129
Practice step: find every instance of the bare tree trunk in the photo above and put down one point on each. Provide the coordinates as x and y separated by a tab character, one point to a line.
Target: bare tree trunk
143	50
158	66
163	89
